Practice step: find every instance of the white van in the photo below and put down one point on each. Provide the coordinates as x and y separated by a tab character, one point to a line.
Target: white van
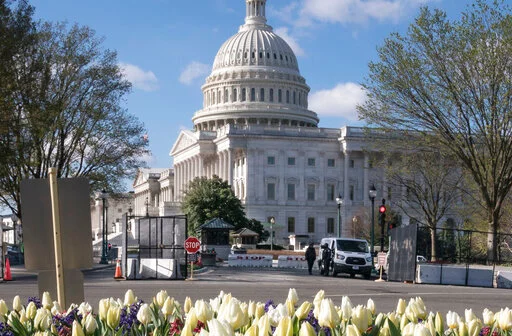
348	255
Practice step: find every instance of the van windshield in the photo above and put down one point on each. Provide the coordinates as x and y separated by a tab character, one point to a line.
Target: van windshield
352	246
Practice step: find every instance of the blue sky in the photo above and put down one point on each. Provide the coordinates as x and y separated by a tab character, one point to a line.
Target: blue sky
167	47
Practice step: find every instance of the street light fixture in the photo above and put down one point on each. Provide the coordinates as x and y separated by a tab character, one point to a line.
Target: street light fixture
272	222
129	226
103	197
372	193
146	203
339	201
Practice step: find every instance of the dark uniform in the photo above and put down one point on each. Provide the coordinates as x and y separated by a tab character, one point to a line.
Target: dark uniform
310	257
326	259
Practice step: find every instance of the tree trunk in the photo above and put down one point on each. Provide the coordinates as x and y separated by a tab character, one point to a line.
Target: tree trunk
492	238
433	244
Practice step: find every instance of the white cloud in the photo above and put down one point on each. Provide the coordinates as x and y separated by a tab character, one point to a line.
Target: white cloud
292	42
356	11
140	79
194	70
339	101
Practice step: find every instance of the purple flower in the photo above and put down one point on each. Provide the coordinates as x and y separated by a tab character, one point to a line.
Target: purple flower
129	316
5	330
268	304
36	301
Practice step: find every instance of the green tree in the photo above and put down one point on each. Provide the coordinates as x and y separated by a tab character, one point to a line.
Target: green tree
65	111
206	199
453	80
256	226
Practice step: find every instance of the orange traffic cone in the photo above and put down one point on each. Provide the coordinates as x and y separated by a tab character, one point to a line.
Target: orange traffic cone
7	274
118	274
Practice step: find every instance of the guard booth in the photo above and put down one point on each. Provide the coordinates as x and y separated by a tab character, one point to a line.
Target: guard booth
215	235
153	247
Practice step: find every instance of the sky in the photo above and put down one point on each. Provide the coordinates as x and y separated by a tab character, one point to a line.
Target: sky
166	49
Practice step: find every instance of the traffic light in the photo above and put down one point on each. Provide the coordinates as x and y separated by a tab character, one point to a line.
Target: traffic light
382	213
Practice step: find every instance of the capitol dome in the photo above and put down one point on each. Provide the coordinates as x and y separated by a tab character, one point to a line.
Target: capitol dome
255	80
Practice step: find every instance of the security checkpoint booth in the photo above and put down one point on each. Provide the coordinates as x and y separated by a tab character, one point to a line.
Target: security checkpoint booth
153	247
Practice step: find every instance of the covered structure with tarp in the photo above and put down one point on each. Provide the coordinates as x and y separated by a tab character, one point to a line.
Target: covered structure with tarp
214	234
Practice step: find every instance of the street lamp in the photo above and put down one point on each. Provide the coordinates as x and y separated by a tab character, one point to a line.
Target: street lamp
372	193
130	209
272	222
103	197
339	201
146	203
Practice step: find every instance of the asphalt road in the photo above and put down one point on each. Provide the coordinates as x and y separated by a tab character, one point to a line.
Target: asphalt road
262	284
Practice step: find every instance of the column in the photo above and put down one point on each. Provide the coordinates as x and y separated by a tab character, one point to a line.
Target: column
346	194
366	183
230	166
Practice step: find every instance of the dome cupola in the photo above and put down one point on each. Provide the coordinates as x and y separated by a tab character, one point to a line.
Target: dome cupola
255	80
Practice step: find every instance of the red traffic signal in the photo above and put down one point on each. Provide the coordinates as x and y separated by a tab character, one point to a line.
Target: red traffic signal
382	209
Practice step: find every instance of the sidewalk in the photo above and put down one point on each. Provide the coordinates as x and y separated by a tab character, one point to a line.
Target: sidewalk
21	270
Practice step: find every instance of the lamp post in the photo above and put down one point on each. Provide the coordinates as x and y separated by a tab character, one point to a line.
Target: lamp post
372	193
103	260
146	203
129	226
272	222
339	201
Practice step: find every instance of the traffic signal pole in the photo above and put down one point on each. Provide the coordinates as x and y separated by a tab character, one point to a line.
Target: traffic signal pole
382	220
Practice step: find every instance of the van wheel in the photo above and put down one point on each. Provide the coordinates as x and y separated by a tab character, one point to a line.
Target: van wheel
352	275
368	275
334	273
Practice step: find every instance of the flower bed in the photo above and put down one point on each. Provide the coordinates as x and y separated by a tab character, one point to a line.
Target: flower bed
225	315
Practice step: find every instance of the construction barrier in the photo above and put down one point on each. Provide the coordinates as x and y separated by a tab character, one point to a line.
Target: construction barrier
151	268
504	279
250	260
291	261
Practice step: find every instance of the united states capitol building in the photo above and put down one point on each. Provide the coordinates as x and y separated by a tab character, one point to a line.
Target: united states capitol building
255	131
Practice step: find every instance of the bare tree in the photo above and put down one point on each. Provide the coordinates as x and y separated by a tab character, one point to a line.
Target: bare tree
453	80
65	111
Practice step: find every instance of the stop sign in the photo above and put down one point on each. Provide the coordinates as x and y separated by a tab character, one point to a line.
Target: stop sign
192	244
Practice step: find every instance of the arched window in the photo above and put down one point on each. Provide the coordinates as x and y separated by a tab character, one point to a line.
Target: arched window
213	98
262	94
244	94
280	96
271	95
226	94
294	97
253	94
287	96
300	99
235	95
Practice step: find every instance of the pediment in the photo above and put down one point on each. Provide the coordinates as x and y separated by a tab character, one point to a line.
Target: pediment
185	140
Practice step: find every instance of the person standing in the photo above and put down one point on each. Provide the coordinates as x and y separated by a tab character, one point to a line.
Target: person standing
310	257
326	259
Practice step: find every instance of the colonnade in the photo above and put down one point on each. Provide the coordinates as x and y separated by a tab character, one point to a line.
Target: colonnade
220	164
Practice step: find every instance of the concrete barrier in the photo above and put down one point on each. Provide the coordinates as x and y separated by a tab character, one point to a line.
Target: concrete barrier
151	268
250	260
454	275
504	279
291	261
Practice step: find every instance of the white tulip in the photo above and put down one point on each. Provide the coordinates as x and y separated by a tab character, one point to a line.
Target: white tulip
452	320
47	301
16	303
488	317
144	314
421	330
129	298
292	296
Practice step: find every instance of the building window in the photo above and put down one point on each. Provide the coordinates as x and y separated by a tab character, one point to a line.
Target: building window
279	96
311	162
311	225
291	191
291	224
351	191
294	97
291	161
234	95
271	191
213	97
226	94
330	225
262	94
331	163
287	96
253	94
244	93
311	192
330	192
271	95
271	160
351	163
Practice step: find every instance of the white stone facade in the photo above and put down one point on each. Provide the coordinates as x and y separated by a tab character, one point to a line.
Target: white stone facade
256	132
